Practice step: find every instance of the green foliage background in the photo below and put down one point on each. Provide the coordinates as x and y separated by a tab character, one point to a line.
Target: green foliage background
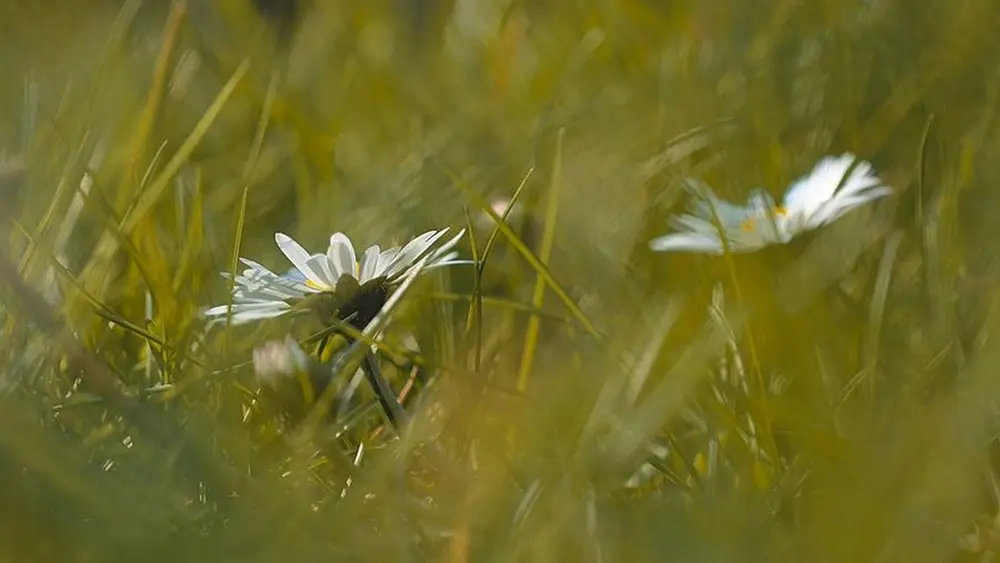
829	400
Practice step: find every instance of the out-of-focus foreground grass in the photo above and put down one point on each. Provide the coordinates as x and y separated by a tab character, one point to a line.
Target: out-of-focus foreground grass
829	400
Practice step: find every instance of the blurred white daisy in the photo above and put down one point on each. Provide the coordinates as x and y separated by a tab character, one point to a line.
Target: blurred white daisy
259	293
829	191
278	359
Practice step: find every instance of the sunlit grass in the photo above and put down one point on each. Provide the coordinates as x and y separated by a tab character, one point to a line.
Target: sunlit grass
570	395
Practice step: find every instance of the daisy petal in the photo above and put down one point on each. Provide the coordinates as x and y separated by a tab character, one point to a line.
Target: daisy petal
839	206
341	255
762	221
763	234
449	260
245	312
257	314
446	247
324	273
687	242
760	203
293	274
221	309
812	190
291	249
861	178
297	255
279	289
412	251
259	277
386	258
692	223
713	209
369	264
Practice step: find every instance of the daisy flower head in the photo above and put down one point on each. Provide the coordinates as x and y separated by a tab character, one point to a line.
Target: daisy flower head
835	186
259	293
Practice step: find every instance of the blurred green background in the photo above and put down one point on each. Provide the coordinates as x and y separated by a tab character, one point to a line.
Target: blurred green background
830	400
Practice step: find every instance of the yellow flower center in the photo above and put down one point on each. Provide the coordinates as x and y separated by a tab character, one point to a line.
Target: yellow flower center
314	285
750	224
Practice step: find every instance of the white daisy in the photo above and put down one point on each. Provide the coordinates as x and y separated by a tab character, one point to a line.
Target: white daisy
259	293
829	191
278	359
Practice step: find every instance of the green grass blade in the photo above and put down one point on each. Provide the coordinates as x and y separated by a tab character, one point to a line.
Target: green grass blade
877	310
475	313
529	256
234	265
544	254
152	194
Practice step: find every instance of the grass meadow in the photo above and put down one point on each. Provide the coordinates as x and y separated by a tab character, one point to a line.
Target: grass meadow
572	395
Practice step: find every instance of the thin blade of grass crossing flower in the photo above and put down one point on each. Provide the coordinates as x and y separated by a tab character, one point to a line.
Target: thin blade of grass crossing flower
443	256
355	352
411	251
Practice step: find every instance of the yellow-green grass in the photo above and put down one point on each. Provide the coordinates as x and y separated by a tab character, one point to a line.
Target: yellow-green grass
576	397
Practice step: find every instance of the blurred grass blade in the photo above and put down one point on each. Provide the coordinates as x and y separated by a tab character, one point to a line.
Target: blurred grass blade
544	254
152	194
877	311
488	249
667	397
234	264
203	464
100	309
154	97
830	257
533	260
474	317
194	234
261	132
658	336
497	302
